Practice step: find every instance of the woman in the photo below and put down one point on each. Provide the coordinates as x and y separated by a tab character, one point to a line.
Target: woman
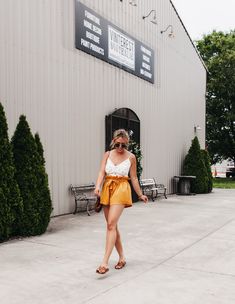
116	165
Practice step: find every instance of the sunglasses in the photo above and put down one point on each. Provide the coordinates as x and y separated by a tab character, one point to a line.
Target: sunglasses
120	145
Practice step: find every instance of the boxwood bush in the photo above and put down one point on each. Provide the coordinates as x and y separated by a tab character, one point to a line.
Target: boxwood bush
206	159
194	165
32	180
10	200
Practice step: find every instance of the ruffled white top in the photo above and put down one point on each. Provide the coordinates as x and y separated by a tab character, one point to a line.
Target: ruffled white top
121	169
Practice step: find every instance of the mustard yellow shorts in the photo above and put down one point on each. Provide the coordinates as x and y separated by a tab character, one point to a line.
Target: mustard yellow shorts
116	191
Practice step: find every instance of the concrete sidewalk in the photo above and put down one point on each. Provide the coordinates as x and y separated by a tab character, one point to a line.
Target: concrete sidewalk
179	251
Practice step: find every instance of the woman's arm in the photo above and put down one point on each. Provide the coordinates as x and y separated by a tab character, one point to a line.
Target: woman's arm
134	180
101	174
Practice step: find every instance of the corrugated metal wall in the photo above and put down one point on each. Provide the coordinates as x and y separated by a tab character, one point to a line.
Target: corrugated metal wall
66	93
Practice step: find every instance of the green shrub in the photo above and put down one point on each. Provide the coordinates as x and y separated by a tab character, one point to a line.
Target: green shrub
206	158
45	197
39	148
32	181
135	149
194	165
10	200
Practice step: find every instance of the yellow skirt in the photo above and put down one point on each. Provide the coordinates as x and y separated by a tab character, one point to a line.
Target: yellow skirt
116	191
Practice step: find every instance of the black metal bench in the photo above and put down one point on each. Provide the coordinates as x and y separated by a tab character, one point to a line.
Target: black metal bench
82	193
151	188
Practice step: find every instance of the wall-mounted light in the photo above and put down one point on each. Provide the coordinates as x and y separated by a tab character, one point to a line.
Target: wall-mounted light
197	128
132	2
154	16
171	33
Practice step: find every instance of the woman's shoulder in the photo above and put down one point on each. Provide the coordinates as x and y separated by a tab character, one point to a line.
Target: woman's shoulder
106	155
132	156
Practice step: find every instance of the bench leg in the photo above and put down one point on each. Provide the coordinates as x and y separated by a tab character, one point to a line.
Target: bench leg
156	194
76	206
152	196
165	194
87	208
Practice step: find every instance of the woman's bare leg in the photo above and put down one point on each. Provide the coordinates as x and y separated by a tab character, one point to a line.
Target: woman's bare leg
118	243
114	214
119	247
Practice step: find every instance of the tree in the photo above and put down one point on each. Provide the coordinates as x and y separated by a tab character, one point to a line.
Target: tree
194	165
218	52
135	149
45	197
30	175
39	148
206	159
10	200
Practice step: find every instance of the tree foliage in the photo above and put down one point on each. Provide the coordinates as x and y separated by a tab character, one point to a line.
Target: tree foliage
39	148
45	198
194	166
32	181
218	52
10	200
135	149
206	159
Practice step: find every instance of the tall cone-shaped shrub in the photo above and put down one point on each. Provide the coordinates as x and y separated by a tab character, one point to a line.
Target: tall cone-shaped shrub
46	204
194	165
32	181
206	159
10	200
39	149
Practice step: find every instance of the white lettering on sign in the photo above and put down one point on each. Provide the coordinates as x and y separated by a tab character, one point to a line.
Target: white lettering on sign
146	51
146	66
121	48
85	43
146	58
87	24
92	27
145	73
96	29
93	37
91	46
92	17
97	49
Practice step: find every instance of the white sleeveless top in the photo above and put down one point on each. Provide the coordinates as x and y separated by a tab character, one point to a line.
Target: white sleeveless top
121	169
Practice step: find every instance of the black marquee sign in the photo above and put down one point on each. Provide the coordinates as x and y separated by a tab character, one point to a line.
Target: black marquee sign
102	39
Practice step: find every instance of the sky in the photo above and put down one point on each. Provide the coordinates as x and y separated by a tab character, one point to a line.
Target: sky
203	16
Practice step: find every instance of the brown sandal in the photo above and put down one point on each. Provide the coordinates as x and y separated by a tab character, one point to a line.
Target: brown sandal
102	270
120	265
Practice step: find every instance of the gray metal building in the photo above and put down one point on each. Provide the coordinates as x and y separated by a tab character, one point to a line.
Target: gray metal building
68	93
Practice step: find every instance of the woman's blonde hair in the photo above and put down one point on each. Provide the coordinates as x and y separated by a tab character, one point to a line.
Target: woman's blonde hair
119	133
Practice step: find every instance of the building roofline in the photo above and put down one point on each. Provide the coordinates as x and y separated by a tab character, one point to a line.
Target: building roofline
203	63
